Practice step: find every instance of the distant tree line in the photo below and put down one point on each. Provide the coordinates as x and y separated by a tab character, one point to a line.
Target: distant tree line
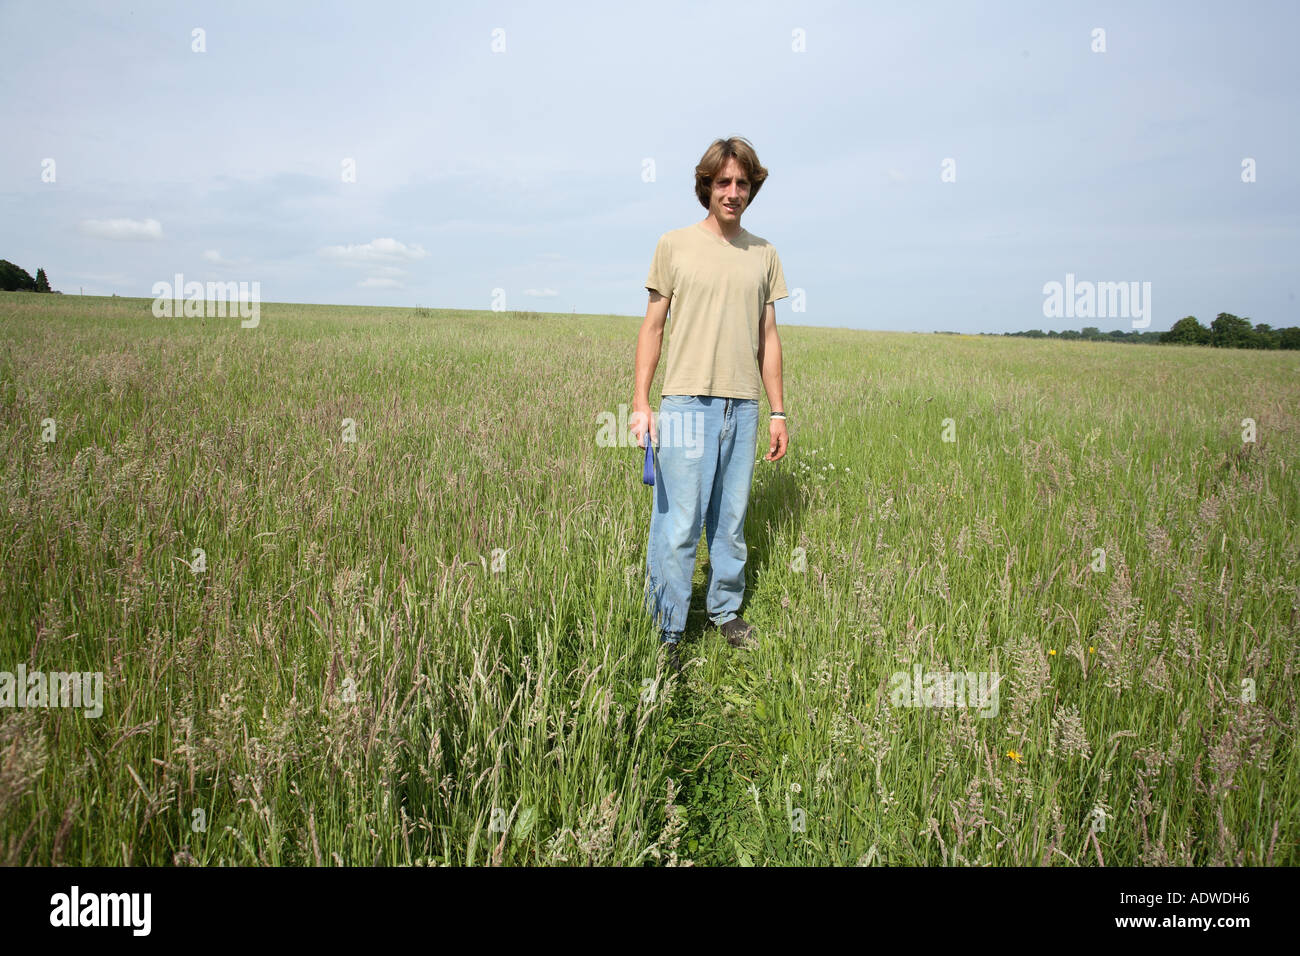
17	279
1227	331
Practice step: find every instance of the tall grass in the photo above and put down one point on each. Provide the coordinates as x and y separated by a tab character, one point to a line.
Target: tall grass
426	645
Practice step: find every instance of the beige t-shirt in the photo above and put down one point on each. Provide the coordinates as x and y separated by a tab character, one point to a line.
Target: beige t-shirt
718	291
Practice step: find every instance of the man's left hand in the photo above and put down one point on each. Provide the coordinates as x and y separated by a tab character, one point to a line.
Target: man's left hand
780	440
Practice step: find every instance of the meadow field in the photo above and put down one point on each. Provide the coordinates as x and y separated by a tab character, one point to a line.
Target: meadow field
364	587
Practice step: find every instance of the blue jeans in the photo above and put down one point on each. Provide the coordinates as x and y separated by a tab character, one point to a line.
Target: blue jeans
704	466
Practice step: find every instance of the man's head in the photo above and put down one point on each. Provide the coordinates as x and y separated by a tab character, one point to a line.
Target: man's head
728	178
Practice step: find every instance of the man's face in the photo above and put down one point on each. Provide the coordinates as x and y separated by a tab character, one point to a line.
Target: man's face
730	192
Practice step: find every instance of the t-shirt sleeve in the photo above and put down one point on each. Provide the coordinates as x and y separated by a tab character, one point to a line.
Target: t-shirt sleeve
660	278
776	279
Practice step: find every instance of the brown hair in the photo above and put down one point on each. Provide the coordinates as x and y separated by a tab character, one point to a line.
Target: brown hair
716	156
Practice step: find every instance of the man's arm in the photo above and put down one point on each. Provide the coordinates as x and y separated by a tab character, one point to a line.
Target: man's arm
648	345
769	364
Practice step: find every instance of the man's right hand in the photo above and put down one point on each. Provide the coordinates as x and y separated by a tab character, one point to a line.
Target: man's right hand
640	418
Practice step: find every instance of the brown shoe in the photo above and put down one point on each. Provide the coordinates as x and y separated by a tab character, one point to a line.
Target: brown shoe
739	634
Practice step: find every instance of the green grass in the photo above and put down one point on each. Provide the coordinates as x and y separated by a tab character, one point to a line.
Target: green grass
427	645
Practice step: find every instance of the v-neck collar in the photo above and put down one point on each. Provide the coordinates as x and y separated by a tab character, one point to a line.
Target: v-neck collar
723	239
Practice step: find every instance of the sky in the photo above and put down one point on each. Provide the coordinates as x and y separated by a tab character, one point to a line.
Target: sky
932	166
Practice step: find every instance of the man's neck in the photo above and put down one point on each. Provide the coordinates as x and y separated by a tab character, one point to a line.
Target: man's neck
711	223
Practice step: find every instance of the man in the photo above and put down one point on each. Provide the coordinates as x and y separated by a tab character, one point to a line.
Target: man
721	283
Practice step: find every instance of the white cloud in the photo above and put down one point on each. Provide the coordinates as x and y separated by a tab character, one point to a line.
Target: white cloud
375	282
128	229
541	293
212	255
377	250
